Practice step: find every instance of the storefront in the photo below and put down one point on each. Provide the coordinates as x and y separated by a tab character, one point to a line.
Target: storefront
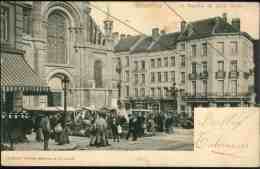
18	80
155	104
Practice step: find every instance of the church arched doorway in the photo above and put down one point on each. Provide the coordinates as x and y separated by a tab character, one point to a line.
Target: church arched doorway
56	96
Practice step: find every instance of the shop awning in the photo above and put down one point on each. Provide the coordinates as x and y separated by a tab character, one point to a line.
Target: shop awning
17	75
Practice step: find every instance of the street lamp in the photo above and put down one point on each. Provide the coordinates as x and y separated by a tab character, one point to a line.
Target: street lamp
174	91
65	82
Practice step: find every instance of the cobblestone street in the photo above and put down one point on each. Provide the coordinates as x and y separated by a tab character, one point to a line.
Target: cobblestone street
181	140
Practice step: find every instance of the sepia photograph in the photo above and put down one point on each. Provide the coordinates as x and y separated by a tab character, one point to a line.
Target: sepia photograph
124	76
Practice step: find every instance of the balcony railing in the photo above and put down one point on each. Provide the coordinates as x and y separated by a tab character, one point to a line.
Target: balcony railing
220	75
193	76
216	94
147	98
233	74
204	75
246	75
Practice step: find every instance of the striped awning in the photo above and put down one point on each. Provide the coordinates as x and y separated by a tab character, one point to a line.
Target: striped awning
17	75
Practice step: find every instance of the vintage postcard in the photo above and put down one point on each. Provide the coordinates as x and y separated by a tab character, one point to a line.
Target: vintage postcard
136	83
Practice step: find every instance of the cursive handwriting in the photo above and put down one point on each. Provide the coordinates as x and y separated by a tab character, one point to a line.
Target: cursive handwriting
214	131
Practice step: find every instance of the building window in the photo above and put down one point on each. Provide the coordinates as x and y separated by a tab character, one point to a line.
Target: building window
152	77
182	77
204	49
142	92
136	92
234	87
221	48
221	66
127	78
173	76
143	78
166	62
194	88
193	50
159	77
143	64
127	91
204	67
233	48
221	87
159	62
152	92
182	109
136	78
233	66
182	60
204	87
27	21
182	46
127	61
166	76
98	74
152	63
159	91
57	38
194	67
165	91
136	65
173	61
4	14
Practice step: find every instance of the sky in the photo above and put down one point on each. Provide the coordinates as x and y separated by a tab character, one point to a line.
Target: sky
147	15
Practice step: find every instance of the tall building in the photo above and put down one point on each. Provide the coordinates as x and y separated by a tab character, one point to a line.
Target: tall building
61	39
207	63
257	70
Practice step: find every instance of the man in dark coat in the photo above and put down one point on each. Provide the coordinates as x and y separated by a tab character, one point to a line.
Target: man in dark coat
132	128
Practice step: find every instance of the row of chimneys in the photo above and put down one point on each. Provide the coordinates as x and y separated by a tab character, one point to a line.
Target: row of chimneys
155	34
116	36
235	23
155	31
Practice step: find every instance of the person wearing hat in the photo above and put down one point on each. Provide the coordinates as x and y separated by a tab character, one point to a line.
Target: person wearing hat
132	127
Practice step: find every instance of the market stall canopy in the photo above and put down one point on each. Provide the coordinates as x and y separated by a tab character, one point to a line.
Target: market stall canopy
88	108
17	75
108	108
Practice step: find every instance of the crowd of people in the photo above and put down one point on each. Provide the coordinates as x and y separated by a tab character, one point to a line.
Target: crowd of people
101	126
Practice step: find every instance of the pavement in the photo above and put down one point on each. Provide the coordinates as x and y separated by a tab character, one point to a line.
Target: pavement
180	140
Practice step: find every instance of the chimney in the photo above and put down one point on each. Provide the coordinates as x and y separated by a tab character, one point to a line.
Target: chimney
115	36
236	23
183	25
122	36
155	33
224	16
162	32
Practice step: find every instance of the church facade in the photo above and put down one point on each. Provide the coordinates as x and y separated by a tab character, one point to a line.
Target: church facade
61	39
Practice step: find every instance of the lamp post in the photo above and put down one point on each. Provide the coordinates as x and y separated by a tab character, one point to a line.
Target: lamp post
65	82
119	71
175	91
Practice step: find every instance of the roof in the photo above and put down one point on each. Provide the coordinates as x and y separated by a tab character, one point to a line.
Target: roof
126	43
17	74
209	27
143	45
166	41
214	26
